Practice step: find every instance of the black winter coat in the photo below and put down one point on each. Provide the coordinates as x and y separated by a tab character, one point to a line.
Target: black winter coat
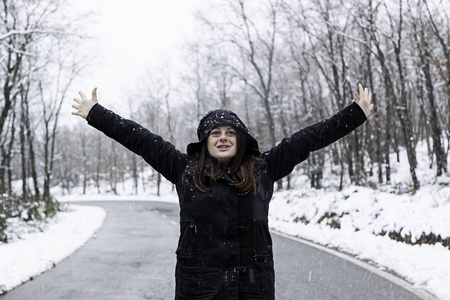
225	248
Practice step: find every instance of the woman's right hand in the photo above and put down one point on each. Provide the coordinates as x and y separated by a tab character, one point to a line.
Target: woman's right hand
364	99
84	105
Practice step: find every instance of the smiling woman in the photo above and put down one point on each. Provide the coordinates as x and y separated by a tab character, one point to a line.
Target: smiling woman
225	146
224	185
222	144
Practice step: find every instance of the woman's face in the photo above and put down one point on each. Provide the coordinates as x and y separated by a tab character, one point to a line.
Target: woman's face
222	144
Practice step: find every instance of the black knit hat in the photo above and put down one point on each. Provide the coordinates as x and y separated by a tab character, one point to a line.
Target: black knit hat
216	118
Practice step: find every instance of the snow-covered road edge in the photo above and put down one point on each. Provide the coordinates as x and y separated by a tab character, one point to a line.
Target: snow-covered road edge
424	266
41	251
380	271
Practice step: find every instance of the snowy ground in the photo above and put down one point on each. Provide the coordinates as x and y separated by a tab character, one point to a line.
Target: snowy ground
361	212
364	213
39	250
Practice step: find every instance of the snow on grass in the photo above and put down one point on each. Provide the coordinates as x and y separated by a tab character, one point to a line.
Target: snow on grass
124	192
34	253
369	212
361	215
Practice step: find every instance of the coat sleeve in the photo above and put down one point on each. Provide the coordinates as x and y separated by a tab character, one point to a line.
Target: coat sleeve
160	154
282	159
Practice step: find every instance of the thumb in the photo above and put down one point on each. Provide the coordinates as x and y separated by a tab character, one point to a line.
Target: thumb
94	94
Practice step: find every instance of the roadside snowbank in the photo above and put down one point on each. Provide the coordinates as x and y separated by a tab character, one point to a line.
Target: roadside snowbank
34	253
363	215
369	212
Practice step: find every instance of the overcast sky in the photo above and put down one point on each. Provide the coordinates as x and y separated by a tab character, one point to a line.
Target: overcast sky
131	35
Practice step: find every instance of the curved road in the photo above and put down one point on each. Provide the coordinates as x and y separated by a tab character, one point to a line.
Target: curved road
132	257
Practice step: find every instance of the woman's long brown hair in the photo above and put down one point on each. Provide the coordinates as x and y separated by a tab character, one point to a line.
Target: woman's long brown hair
242	169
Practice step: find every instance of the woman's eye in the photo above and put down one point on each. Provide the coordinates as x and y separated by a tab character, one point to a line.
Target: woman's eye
215	133
231	132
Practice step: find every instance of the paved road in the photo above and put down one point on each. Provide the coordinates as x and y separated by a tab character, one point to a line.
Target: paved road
133	257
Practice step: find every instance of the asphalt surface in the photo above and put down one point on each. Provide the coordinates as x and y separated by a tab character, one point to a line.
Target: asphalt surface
133	257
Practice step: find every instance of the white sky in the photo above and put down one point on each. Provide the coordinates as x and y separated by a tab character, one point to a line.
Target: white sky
132	35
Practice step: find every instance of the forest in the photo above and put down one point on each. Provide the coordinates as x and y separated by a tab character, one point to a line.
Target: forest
280	64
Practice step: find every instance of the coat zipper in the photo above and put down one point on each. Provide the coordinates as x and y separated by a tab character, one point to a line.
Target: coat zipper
193	231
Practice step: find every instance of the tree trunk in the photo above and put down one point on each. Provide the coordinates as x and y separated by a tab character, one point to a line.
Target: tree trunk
47	174
425	55
401	113
98	166
403	109
31	151
134	169
85	154
158	184
9	153
438	149
2	169
387	160
23	152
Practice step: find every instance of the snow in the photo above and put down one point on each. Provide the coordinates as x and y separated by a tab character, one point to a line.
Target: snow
362	213
427	266
34	253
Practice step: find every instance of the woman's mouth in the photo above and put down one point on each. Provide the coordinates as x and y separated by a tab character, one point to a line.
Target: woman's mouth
223	147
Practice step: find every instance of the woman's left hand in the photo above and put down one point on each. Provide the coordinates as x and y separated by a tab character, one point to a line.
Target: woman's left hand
363	99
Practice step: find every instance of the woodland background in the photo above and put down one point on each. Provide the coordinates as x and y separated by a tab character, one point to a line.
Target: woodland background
280	64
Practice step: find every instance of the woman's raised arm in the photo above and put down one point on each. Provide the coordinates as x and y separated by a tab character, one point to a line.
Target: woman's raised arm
282	159
160	154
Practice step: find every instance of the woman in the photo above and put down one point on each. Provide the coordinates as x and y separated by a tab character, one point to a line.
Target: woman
224	185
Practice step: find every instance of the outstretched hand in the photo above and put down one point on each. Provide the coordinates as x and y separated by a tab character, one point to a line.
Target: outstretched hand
363	99
84	105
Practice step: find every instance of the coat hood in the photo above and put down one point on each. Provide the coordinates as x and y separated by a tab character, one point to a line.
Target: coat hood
216	118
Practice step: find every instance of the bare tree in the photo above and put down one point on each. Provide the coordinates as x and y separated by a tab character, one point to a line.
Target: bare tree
422	39
326	30
285	66
254	47
51	108
439	30
402	108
